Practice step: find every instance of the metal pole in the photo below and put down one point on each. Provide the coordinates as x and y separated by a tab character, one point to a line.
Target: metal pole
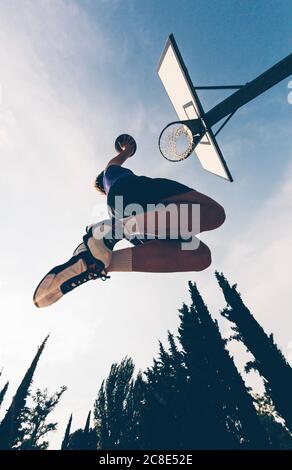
224	87
251	90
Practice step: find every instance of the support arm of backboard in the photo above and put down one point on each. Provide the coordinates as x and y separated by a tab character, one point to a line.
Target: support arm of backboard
224	123
224	87
251	90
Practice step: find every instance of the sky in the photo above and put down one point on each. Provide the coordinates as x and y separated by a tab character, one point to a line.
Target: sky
74	75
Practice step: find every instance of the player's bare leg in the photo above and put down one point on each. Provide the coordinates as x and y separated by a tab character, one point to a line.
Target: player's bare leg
161	256
178	216
212	214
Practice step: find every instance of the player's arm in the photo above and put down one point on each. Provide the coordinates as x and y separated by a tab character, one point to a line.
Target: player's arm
122	156
119	159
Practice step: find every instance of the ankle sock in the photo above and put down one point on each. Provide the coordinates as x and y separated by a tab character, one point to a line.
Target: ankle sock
116	234
122	260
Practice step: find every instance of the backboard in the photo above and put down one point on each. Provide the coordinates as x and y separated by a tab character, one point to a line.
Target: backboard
177	83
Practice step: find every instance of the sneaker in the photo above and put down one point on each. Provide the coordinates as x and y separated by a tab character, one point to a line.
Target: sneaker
98	241
82	267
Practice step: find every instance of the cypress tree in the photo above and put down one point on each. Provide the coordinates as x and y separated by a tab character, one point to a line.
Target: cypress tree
100	415
165	401
3	392
269	360
278	436
133	408
110	410
204	424
82	439
221	405
67	434
10	425
76	440
87	424
89	435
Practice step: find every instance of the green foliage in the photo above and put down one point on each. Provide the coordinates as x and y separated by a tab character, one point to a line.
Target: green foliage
82	439
278	435
34	426
116	410
12	421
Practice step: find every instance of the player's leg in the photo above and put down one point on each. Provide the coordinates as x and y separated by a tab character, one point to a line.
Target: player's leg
142	191
160	256
212	214
186	214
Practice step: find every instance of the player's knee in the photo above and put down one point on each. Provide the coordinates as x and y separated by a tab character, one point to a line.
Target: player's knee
220	215
206	258
202	257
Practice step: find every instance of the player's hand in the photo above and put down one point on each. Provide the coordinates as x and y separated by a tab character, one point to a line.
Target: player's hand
125	145
129	149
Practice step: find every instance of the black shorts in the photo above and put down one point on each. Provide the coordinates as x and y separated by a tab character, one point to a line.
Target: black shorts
142	190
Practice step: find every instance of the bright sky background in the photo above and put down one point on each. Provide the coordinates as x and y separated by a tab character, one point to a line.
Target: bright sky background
74	75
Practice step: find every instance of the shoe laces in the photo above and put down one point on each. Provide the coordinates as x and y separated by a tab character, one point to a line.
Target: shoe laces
92	273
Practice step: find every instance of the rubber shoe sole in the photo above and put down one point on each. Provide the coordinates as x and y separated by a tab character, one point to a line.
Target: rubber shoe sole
66	277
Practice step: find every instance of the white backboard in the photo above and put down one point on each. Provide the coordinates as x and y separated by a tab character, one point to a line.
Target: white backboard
177	83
